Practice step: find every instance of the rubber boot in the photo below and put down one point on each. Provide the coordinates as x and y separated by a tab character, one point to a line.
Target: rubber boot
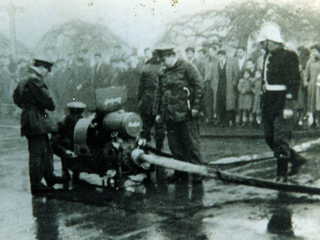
159	145
282	169
161	175
296	161
64	168
178	176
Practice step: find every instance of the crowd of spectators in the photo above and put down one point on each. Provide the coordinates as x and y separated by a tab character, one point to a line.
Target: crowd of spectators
232	83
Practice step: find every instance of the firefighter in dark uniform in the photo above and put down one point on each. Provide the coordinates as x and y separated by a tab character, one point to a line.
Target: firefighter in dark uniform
281	82
33	97
146	90
62	142
178	103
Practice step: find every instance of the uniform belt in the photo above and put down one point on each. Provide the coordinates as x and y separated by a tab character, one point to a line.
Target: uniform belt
275	87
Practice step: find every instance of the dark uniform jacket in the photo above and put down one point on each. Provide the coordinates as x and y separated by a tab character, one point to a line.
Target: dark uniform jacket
282	69
147	87
171	99
33	97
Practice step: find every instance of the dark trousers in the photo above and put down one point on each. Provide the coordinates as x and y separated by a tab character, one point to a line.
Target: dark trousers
40	159
148	122
225	116
277	131
184	141
208	101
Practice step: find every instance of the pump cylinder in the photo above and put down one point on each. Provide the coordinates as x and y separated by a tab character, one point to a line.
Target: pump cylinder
125	123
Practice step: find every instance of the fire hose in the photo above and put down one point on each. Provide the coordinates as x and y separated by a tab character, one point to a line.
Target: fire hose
138	156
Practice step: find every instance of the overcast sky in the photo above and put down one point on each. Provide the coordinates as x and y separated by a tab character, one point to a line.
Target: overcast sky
139	22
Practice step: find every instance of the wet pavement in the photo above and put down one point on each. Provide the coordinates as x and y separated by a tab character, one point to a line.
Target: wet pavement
213	210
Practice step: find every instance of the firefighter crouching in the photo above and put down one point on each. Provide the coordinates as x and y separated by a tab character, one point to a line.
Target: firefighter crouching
62	142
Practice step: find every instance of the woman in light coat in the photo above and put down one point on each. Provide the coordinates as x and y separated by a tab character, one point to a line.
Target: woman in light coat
311	80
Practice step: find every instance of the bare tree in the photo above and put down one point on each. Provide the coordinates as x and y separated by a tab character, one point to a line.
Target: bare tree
75	36
299	23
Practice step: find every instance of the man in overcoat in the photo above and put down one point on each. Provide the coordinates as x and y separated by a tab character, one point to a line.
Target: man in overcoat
33	97
211	60
281	82
224	86
101	73
80	84
178	103
190	52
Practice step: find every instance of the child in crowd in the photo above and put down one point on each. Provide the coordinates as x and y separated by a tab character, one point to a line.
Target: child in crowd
245	97
251	67
257	92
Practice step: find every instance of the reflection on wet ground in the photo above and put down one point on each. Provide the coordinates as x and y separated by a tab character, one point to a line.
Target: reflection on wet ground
213	210
46	219
170	211
153	212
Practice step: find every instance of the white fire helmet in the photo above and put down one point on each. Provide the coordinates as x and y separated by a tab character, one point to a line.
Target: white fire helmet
270	31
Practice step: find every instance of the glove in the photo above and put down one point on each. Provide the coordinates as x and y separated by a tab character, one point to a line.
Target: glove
158	119
70	154
287	113
290	107
195	113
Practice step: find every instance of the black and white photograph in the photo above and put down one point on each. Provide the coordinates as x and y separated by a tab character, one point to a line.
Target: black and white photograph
160	119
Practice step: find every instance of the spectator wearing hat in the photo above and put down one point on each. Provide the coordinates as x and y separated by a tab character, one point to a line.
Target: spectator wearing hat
304	55
59	82
131	82
178	103
54	83
281	82
312	82
118	72
224	84
212	59
80	83
190	52
32	96
101	76
62	141
202	56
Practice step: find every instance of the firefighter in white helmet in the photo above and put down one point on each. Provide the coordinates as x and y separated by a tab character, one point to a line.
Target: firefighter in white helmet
281	81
